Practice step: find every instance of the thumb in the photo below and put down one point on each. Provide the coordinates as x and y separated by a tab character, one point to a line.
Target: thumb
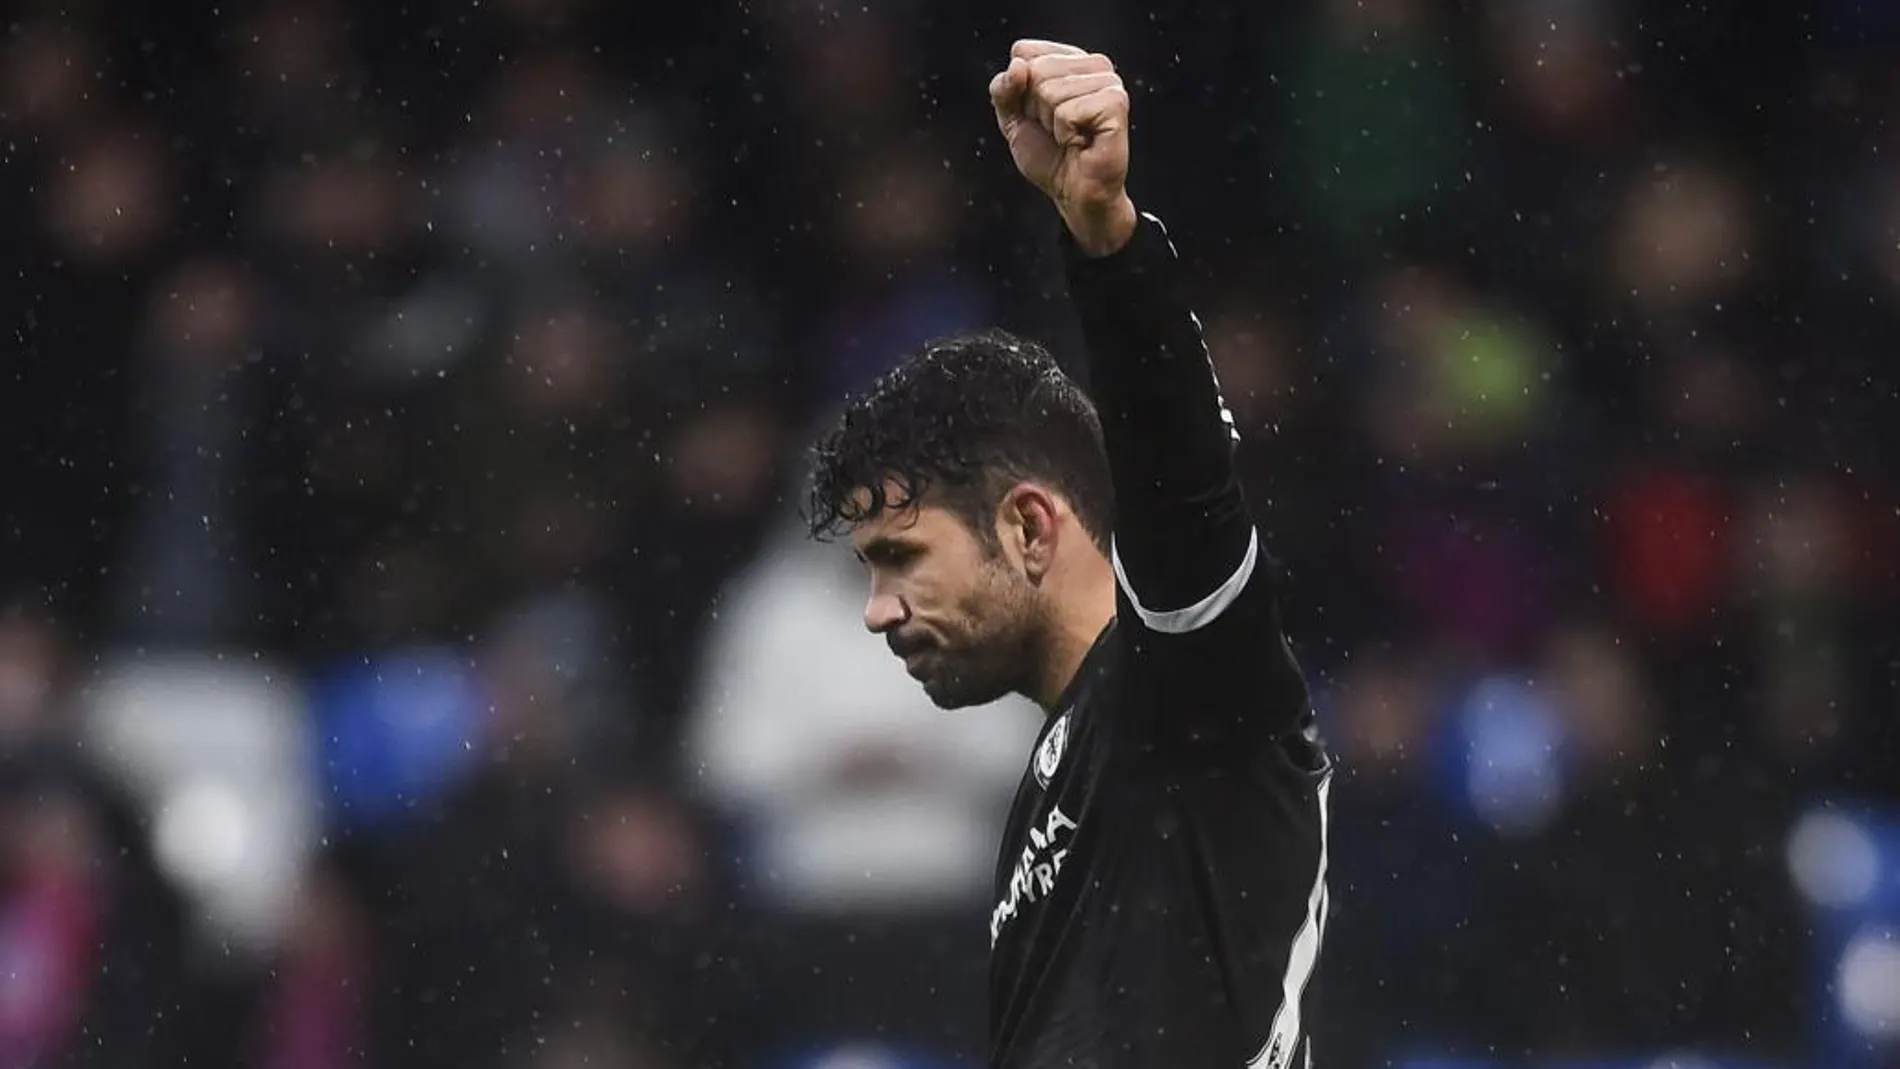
1007	89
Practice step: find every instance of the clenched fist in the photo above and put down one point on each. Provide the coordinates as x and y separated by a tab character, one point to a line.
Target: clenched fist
1065	114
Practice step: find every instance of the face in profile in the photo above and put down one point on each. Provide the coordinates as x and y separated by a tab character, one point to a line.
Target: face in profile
954	606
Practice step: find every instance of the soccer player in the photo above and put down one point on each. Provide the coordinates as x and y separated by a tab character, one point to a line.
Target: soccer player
1160	895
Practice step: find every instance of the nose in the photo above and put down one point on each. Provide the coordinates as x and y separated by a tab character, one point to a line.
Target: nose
883	612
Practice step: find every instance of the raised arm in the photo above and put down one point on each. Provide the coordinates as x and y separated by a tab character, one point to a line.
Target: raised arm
1185	545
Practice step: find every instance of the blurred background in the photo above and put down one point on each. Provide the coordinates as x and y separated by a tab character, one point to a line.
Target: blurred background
411	657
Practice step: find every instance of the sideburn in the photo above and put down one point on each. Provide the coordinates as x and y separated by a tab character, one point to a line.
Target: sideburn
1021	625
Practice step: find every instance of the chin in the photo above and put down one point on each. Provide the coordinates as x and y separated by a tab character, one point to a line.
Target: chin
977	671
952	691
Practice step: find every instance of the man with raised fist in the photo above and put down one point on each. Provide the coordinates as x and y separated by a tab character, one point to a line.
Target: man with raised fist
1161	895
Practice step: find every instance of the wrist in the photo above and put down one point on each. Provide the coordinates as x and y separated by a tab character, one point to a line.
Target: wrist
1102	230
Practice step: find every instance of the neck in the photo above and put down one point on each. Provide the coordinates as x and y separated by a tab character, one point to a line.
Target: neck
1080	617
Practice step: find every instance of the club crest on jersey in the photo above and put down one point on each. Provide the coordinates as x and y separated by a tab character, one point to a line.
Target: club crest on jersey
1049	754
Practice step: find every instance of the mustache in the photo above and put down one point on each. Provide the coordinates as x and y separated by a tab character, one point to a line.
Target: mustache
905	645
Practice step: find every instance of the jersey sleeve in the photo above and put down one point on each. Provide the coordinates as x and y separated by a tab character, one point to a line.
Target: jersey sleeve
1188	559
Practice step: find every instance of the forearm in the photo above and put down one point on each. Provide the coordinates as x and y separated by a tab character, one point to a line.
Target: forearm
1182	527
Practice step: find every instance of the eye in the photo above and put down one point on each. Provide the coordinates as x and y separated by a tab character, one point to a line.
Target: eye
895	555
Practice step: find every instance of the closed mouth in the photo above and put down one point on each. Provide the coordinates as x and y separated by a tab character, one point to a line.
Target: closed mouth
908	651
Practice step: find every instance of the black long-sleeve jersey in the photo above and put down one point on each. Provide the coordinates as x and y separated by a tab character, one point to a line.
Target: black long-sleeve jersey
1161	894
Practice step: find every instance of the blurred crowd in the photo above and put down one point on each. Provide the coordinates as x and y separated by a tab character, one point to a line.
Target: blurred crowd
412	656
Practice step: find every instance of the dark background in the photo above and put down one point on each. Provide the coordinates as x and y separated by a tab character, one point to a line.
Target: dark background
475	344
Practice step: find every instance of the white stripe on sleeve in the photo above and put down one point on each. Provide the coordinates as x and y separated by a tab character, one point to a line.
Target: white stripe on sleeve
1202	612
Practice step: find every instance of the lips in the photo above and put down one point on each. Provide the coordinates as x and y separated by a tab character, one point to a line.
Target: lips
916	658
906	649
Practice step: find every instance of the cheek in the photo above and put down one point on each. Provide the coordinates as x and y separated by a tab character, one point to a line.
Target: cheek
949	609
968	603
937	601
995	604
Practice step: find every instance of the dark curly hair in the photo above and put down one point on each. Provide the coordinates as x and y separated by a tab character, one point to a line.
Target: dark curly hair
963	419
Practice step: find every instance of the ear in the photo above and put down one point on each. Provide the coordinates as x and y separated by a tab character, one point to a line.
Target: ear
1029	523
